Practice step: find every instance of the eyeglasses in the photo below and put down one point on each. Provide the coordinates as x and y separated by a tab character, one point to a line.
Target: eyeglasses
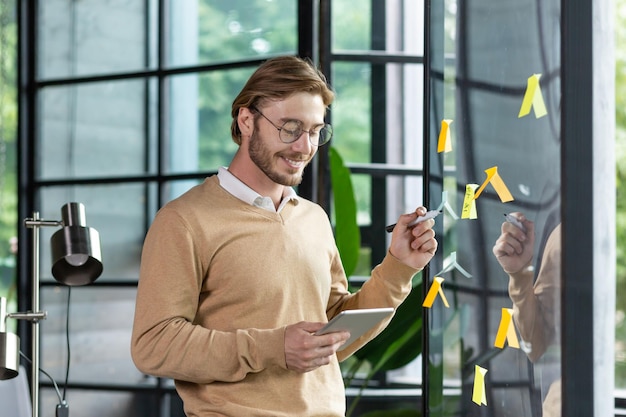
291	131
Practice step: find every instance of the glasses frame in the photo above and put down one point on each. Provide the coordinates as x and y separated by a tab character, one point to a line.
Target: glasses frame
327	127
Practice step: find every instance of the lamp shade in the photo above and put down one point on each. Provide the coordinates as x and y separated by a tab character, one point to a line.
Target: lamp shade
9	347
9	355
76	257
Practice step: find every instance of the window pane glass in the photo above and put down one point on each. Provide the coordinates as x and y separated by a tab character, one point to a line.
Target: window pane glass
95	130
479	79
118	212
358	19
199	135
389	25
208	31
351	111
8	157
92	37
100	324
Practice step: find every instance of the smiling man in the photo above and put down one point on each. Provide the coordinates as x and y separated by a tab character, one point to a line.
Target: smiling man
239	272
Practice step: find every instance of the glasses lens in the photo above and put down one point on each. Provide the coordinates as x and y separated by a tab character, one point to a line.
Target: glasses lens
325	134
290	132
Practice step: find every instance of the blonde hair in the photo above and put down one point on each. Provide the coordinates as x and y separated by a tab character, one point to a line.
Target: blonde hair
277	79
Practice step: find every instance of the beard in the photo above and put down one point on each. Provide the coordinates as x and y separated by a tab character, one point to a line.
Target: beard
264	159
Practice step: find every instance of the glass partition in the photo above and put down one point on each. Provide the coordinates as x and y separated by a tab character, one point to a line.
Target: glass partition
494	149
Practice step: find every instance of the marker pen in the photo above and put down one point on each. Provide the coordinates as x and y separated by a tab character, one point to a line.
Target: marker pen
515	222
429	215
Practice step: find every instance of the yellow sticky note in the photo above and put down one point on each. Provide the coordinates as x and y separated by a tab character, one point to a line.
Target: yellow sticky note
494	178
479	396
469	203
506	331
432	293
533	97
444	144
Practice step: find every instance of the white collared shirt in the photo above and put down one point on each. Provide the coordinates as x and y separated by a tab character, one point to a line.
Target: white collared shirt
240	190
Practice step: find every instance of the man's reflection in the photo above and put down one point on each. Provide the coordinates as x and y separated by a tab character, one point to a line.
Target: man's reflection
536	302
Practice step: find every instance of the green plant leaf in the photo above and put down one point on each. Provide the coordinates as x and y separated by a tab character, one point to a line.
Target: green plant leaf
406	325
347	233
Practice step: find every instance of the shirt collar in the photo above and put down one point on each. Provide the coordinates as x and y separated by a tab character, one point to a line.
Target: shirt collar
246	194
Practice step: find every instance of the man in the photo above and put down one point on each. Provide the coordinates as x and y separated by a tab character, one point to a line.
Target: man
239	273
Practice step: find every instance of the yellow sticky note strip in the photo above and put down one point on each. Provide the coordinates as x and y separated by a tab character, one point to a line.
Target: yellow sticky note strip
469	203
506	331
444	144
479	396
496	182
435	289
533	98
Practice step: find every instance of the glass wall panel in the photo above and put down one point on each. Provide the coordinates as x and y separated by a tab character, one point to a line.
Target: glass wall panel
96	130
209	31
100	323
93	37
495	80
353	28
351	110
8	157
199	113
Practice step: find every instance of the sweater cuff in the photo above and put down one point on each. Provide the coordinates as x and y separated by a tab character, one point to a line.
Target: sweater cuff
270	347
395	271
394	265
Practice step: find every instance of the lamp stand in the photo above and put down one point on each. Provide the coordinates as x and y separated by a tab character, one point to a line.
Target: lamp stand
34	316
76	260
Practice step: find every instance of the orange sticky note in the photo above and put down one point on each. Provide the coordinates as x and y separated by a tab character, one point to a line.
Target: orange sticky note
432	293
533	98
469	203
444	144
506	331
479	395
501	189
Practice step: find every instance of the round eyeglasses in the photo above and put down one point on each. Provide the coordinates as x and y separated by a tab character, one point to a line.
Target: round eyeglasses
291	131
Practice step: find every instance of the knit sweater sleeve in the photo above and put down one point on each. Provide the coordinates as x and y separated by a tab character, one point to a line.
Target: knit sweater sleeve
388	286
536	305
166	340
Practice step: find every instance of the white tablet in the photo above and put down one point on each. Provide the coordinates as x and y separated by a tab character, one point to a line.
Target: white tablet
357	322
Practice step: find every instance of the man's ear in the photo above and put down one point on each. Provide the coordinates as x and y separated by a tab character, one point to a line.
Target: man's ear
245	120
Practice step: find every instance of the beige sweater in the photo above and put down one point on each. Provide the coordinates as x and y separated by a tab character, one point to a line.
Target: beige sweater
536	305
219	282
536	311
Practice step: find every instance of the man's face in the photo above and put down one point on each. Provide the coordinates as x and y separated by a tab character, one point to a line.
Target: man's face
284	163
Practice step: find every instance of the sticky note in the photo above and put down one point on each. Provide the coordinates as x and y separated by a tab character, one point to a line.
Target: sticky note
479	395
444	144
533	98
506	330
435	289
496	182
469	203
